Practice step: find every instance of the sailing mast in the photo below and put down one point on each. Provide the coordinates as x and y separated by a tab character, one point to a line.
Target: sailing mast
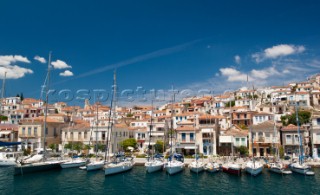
151	126
97	132
46	108
3	89
300	140
110	124
172	123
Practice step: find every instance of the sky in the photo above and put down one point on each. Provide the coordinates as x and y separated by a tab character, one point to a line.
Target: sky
191	46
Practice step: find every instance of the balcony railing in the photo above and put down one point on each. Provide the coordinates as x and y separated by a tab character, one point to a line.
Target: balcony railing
265	140
185	141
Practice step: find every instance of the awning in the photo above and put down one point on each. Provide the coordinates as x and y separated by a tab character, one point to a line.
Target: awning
9	143
151	143
5	132
189	147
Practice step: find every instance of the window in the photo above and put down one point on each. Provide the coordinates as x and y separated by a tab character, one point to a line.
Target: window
29	130
191	137
318	121
237	141
46	130
54	132
79	135
318	137
243	141
143	135
261	109
85	135
35	131
23	130
288	139
183	135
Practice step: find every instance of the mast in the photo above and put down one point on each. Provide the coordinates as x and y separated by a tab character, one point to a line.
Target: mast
173	97
300	140
195	140
97	132
151	126
252	146
109	132
46	108
2	91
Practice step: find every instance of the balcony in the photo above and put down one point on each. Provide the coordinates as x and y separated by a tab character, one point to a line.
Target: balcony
266	140
185	141
28	136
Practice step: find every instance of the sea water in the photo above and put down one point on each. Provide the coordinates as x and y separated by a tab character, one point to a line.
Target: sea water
137	181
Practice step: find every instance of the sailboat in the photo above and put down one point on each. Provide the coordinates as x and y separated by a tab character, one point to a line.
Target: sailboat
277	166
154	164
78	162
120	162
196	166
300	167
97	164
253	167
175	161
45	164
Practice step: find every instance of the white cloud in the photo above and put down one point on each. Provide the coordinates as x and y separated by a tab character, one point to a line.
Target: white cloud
40	59
66	73
14	72
264	73
237	59
233	74
277	51
59	64
8	59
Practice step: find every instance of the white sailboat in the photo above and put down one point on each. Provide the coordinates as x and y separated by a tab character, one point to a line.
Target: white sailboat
45	164
97	164
9	158
175	161
120	163
153	164
196	166
253	167
300	167
212	167
175	164
78	162
277	166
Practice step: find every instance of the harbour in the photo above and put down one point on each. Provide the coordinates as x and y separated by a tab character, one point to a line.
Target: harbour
137	181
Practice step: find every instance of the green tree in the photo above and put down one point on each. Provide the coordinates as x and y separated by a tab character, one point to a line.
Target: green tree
3	118
128	142
129	115
21	96
232	103
304	117
281	152
159	146
243	150
52	147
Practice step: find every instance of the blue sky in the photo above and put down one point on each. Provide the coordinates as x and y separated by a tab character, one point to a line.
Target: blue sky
156	44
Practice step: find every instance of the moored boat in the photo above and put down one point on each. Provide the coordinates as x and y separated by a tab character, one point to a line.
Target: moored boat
123	165
78	162
231	168
278	167
254	168
212	167
301	168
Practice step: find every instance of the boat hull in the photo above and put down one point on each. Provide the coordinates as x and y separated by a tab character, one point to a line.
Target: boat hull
36	167
94	166
118	168
254	171
72	164
7	163
153	167
280	171
301	170
231	170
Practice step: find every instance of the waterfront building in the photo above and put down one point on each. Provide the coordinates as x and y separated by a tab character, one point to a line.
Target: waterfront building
291	142
265	136
31	132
